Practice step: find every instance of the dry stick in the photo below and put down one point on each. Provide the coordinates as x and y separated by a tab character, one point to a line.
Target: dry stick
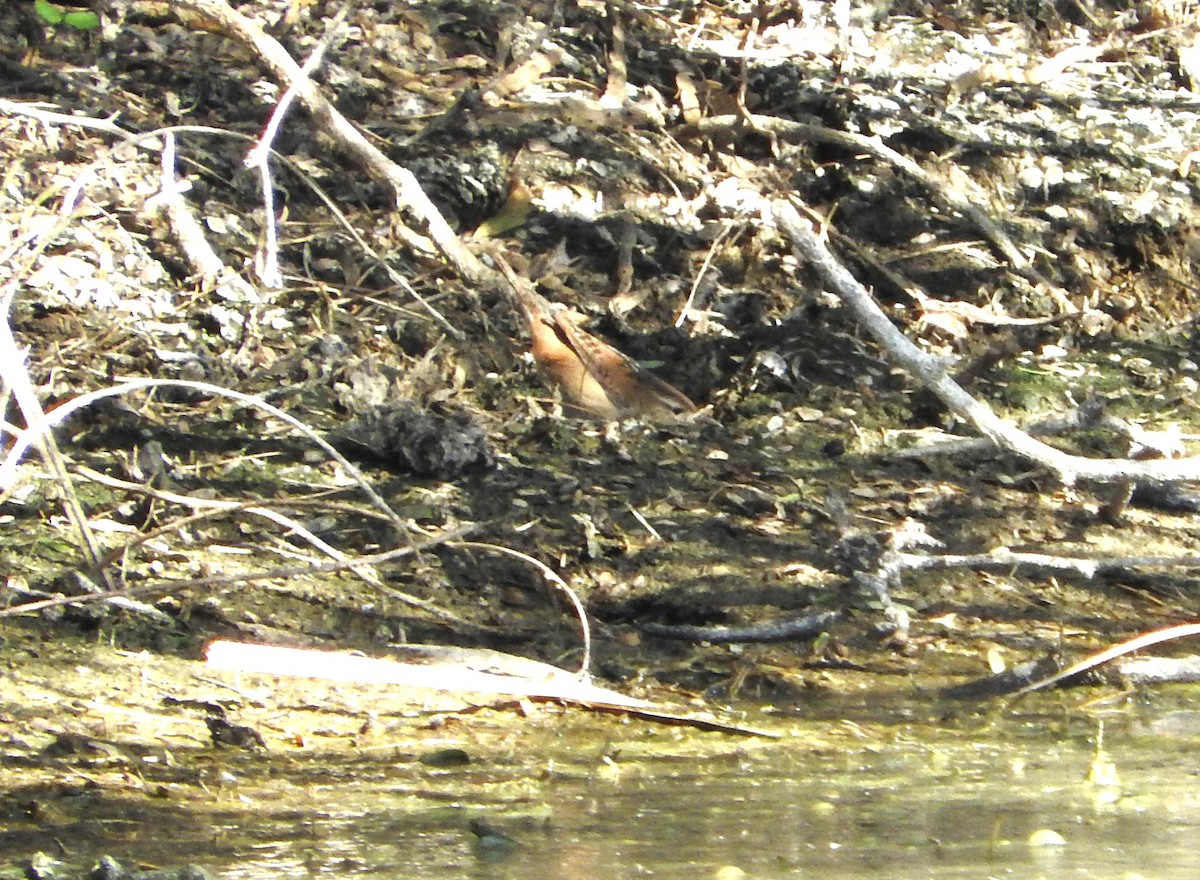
1165	444
726	230
188	233
38	111
618	63
216	505
585	665
16	377
931	372
790	130
408	190
1127	647
1007	561
260	156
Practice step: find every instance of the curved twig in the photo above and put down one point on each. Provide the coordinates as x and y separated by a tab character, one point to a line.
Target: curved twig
40	426
585	665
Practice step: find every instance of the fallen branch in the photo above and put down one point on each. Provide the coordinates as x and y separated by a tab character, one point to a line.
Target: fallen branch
1007	561
791	130
932	373
409	194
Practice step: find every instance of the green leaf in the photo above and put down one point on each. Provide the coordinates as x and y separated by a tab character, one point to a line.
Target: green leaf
82	19
50	13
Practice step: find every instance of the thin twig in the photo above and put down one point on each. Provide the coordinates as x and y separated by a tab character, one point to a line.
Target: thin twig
259	157
702	274
585	667
1101	657
167	585
42	425
16	379
189	234
215	505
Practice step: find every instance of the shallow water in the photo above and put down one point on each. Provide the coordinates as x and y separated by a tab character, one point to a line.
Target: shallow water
869	786
866	803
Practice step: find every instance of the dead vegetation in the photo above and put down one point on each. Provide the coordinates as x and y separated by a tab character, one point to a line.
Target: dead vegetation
1017	189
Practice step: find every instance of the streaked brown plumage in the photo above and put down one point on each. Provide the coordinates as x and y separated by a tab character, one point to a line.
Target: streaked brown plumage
595	379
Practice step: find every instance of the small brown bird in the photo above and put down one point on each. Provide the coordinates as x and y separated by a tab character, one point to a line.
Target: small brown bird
595	379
